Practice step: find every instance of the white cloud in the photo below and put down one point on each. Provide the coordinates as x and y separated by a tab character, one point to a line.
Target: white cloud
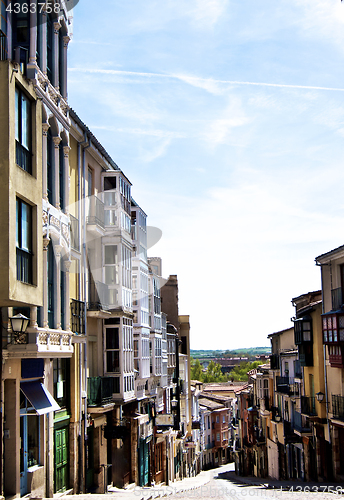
321	19
206	13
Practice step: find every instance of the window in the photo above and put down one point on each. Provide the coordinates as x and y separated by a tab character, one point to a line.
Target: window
112	350
51	285
61	63
50	166
23	131
62	298
24	241
61	368
217	419
111	272
62	176
50	34
217	436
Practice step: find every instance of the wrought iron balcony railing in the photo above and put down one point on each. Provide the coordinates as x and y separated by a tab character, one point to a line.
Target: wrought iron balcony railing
77	310
274	362
100	390
286	385
337	298
97	296
308	405
300	423
338	407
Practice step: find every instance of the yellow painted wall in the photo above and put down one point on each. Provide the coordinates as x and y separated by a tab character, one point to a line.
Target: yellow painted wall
15	182
317	370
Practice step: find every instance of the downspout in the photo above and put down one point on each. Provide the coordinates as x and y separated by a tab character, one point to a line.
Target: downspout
79	289
324	349
1	414
85	145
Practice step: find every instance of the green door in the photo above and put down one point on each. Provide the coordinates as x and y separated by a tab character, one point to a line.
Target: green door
143	462
61	459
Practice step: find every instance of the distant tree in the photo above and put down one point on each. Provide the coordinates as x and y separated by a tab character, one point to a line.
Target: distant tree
196	370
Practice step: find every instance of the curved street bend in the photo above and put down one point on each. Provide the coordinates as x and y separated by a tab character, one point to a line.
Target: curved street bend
223	483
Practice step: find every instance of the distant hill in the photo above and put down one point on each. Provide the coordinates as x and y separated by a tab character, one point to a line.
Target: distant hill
244	352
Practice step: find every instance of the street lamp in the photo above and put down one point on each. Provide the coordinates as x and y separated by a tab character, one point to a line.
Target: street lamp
320	396
19	324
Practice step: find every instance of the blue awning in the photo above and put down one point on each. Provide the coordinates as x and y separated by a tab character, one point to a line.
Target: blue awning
39	396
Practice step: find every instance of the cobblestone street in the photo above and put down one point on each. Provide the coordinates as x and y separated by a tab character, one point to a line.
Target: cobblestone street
223	483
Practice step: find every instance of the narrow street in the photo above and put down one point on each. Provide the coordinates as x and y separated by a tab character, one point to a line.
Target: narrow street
222	483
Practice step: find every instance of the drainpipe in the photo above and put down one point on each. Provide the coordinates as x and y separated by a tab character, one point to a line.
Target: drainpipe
85	145
324	347
1	410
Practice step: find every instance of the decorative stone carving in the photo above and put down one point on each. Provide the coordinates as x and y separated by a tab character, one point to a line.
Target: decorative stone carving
67	264
66	40
46	241
45	218
54	221
57	26
45	127
58	249
65	232
66	150
57	141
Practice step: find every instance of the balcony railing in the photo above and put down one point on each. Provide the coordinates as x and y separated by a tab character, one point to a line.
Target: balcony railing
100	390
338	407
77	310
337	298
3	46
286	385
300	423
274	362
308	405
267	403
97	296
74	233
96	215
210	445
40	340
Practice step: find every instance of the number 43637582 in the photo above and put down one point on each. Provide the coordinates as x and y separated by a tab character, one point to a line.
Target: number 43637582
26	7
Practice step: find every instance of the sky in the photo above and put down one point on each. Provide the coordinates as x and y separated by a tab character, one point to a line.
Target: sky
228	118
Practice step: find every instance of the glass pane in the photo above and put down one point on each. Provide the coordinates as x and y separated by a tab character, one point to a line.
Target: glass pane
306	336
18	223
112	361
26	227
110	198
112	296
25	122
110	275
111	254
112	339
17	117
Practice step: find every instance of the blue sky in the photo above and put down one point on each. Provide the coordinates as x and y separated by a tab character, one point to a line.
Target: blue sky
228	118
